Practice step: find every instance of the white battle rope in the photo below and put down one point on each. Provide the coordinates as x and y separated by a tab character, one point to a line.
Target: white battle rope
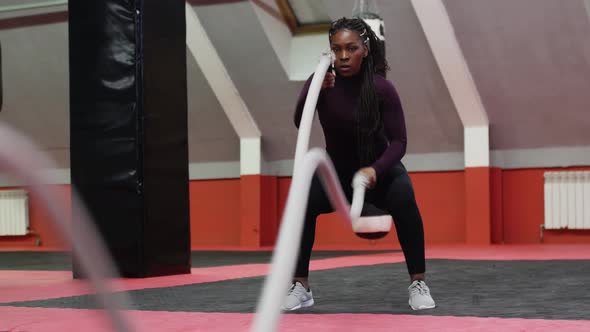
360	182
287	248
21	158
311	101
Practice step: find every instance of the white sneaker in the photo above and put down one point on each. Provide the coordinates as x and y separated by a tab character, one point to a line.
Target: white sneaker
297	298
420	296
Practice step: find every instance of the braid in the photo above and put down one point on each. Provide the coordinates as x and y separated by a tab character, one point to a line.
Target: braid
368	116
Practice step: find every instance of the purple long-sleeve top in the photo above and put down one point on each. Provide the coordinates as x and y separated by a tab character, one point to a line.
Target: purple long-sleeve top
336	109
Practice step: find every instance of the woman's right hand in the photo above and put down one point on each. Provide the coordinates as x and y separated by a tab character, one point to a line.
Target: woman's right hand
329	80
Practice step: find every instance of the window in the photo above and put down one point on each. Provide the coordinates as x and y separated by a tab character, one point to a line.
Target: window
305	16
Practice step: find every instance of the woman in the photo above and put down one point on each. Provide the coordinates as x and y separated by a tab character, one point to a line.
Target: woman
364	128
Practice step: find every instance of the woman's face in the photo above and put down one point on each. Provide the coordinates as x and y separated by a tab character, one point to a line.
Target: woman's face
350	52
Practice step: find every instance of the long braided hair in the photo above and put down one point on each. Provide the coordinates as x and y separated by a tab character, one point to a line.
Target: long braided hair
368	116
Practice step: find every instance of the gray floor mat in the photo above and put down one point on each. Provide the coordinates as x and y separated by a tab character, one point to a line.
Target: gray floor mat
522	289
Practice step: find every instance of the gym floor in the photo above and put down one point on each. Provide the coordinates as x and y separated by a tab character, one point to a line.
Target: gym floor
492	288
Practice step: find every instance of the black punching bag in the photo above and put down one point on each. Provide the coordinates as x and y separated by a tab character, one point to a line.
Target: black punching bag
128	130
1	87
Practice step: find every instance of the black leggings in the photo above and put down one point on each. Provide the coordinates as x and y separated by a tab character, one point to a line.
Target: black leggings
394	193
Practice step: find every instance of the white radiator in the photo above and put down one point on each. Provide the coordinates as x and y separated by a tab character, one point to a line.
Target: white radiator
567	200
14	212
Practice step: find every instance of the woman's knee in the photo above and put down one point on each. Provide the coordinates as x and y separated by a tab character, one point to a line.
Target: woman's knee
401	192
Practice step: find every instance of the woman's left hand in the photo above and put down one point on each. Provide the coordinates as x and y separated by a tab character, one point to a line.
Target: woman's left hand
371	174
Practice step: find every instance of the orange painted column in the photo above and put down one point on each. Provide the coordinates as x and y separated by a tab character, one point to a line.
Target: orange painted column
269	214
497	205
258	210
478	207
